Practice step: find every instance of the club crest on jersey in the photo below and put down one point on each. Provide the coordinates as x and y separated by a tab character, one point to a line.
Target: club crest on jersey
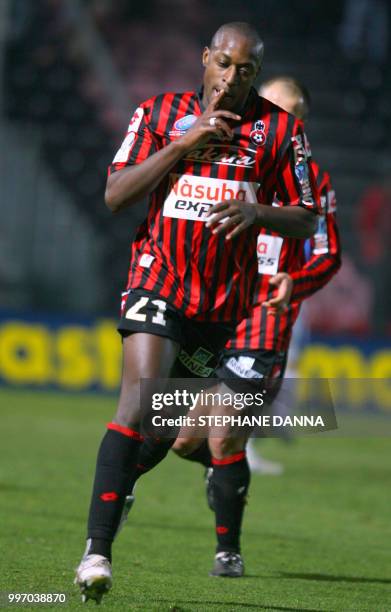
185	123
257	134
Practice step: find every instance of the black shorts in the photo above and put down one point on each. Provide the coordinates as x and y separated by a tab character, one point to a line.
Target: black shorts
201	343
257	368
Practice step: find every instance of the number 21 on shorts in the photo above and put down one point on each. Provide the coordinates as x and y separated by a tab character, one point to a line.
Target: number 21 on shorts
134	312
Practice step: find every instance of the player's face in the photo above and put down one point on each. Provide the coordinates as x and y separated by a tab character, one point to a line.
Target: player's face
233	66
279	94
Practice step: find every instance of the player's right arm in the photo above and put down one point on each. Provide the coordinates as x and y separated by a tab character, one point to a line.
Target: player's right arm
139	165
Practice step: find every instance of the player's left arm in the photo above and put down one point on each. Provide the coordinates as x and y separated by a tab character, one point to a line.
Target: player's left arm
294	183
325	255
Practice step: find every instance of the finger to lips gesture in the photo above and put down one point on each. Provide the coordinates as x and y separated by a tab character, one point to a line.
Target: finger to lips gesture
212	123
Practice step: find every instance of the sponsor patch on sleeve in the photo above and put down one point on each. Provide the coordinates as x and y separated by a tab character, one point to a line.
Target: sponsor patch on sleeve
321	242
136	120
302	152
129	141
125	149
331	201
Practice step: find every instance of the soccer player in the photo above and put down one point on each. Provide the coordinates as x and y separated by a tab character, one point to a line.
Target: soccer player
260	346
211	163
288	93
263	352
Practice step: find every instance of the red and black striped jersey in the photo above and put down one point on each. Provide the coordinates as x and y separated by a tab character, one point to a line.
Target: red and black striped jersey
174	254
264	329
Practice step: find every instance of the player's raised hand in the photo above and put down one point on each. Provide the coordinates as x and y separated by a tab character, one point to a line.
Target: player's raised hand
213	123
232	217
284	283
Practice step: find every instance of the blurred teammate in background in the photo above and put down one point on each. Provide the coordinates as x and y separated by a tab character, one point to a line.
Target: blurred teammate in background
293	96
291	270
202	158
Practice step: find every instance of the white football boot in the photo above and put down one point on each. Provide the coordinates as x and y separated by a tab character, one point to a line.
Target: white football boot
93	576
228	564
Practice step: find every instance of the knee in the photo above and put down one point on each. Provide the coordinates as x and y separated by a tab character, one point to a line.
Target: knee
224	447
128	410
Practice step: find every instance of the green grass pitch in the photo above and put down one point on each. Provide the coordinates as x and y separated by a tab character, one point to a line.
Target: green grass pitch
316	538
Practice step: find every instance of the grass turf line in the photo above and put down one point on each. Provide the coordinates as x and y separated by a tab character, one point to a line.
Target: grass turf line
316	538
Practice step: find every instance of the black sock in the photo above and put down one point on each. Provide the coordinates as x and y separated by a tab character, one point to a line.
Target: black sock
117	458
201	455
152	452
230	481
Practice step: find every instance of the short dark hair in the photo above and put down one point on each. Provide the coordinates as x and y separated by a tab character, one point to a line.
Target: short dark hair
296	87
246	30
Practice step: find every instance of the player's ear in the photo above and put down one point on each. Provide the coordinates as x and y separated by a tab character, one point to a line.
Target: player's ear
205	56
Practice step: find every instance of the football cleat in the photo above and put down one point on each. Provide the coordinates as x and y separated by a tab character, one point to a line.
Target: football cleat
228	564
129	501
209	488
94	577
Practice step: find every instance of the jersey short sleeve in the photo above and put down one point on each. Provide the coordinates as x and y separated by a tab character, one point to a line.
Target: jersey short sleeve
296	183
138	143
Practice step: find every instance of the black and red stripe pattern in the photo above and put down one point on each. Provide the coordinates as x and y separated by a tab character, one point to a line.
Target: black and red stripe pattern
174	254
325	260
267	330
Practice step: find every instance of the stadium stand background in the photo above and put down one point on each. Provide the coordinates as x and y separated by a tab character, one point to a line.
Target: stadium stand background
72	72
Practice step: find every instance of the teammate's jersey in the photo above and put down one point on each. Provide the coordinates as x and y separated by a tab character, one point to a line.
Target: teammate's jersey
174	254
265	329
